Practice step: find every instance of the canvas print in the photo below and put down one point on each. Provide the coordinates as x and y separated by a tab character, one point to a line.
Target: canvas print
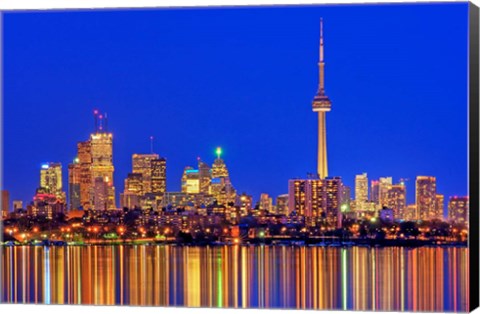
297	157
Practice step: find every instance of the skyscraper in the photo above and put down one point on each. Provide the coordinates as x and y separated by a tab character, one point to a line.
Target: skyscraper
319	199
51	179
439	205
142	163
396	199
384	185
375	192
159	176
266	203
282	204
85	164
361	191
321	104
458	207
205	176
74	183
425	197
190	181
221	187
100	198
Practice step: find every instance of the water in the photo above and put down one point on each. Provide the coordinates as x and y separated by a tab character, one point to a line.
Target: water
355	278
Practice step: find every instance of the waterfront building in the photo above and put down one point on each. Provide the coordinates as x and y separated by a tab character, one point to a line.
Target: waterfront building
396	199
221	187
159	176
51	179
74	185
361	191
190	181
244	202
282	205
458	207
439	205
142	164
204	175
425	197
266	203
317	199
384	185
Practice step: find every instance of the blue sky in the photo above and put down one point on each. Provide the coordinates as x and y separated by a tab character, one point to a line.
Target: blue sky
242	79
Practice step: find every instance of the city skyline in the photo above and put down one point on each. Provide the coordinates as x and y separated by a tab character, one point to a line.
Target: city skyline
238	161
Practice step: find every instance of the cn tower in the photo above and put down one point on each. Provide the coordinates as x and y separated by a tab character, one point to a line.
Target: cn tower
321	104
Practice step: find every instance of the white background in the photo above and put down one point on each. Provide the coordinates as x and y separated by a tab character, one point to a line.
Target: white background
59	4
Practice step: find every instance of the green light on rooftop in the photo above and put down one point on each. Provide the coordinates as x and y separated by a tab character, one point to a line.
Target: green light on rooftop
218	152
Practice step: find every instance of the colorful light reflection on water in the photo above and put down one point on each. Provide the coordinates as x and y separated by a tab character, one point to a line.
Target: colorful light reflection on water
356	278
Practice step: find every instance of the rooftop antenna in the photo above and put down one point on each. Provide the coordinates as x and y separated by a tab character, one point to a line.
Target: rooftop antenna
95	118
101	122
151	144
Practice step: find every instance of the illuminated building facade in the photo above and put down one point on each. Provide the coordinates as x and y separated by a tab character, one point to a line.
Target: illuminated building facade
85	164
458	207
345	199
266	203
425	197
51	179
321	104
439	205
190	181
375	192
396	200
410	213
220	186
384	185
46	204
142	164
101	190
319	199
245	203
282	205
361	191
159	176
74	184
102	168
205	176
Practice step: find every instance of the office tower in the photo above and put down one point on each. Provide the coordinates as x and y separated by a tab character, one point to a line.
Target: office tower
384	184
425	196
4	203
266	203
317	198
396	200
221	187
47	204
85	164
190	181
439	206
17	204
102	166
245	203
134	184
345	198
282	205
205	176
458	207
142	164
101	195
411	213
361	191
321	104
159	176
297	197
74	183
51	179
375	192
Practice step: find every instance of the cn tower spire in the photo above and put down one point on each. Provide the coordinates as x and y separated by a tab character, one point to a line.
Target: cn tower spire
321	63
321	104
